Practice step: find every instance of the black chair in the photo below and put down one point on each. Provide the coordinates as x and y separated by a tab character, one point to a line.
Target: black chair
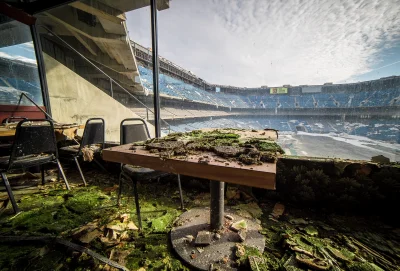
34	145
133	133
93	134
5	145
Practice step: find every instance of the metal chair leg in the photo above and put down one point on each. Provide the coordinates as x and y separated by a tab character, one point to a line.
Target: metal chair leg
61	172
119	189
180	190
135	192
80	170
42	171
10	193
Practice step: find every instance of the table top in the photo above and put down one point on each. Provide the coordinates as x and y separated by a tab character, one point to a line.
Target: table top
206	165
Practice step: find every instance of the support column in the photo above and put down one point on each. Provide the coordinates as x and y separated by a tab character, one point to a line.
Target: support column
217	205
154	38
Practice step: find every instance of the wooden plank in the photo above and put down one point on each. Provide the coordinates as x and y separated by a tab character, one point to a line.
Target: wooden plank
262	176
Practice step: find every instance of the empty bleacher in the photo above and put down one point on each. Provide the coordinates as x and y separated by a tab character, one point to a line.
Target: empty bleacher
383	129
364	96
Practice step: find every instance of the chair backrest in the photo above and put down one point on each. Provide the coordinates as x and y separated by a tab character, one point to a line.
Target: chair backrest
94	132
33	137
132	132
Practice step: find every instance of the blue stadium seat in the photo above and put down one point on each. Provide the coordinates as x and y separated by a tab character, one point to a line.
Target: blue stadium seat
342	97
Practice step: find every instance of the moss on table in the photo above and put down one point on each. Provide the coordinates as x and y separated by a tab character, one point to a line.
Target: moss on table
225	143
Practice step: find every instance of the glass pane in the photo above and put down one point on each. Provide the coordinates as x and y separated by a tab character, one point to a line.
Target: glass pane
325	75
90	65
18	64
143	55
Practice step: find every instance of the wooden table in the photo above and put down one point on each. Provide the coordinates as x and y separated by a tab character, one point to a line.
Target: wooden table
217	169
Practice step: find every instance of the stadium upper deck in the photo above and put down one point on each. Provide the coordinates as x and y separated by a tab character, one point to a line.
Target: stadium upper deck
383	92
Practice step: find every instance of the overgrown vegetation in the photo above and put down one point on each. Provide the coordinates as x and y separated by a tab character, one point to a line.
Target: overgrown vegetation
82	215
339	186
229	144
321	228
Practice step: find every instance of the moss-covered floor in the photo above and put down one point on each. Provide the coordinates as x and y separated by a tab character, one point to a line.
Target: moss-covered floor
298	240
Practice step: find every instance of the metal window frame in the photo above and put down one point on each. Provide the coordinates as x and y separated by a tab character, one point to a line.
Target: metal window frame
156	94
41	68
30	21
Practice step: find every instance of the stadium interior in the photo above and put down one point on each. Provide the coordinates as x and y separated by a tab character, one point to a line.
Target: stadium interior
71	61
367	109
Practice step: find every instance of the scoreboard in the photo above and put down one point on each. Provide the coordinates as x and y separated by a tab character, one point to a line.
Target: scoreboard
278	90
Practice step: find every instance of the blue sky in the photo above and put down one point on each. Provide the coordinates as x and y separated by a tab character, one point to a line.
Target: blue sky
23	52
252	43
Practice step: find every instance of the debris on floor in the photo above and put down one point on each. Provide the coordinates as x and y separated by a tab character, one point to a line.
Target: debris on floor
203	238
295	238
278	211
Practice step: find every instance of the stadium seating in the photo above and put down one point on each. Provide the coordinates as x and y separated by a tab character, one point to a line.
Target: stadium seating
379	129
11	89
20	84
358	97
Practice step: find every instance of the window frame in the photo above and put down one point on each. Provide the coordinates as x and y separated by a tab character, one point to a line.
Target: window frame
30	21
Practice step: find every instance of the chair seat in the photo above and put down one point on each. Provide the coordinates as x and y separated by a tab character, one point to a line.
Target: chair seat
27	161
141	173
74	149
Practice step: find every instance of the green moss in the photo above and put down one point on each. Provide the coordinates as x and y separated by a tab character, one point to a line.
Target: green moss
307	243
250	258
254	151
58	211
311	230
251	208
243	252
269	146
366	266
10	254
153	253
341	255
347	253
86	200
163	223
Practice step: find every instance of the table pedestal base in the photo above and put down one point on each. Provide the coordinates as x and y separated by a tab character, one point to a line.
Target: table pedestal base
221	250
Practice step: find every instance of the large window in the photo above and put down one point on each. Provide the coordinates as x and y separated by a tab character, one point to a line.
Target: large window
18	64
325	74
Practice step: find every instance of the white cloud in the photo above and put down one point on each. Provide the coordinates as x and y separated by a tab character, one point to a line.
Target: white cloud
18	58
252	43
28	44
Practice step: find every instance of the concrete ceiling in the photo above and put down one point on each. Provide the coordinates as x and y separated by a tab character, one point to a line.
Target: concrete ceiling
103	38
